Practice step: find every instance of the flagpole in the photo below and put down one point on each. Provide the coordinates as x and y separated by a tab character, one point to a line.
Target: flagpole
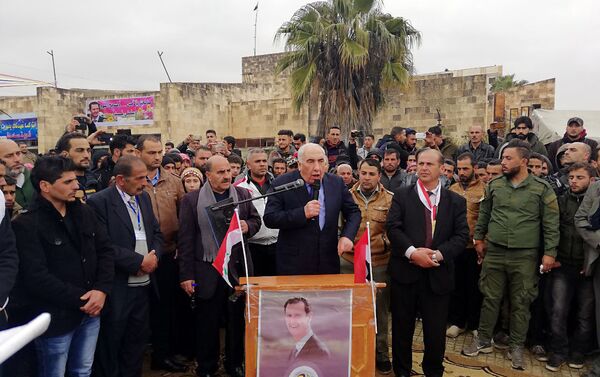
246	268
371	273
255	23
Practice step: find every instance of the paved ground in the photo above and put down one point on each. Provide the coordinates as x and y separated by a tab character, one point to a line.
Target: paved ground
497	361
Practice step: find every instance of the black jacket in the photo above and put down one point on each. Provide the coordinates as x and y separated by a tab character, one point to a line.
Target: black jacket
60	262
105	173
406	227
395	182
9	260
484	153
112	214
555	146
191	252
302	247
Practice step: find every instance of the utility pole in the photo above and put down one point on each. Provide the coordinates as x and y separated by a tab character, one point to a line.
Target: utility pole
160	54
51	53
255	23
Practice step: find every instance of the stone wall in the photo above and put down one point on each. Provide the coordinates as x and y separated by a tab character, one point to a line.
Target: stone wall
525	98
461	97
255	109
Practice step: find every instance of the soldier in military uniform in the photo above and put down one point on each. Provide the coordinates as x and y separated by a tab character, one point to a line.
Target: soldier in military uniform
518	216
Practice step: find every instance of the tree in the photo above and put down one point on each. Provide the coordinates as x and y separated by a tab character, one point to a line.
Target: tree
503	83
347	52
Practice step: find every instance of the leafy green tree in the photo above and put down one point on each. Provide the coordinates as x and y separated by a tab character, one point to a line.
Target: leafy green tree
503	83
346	52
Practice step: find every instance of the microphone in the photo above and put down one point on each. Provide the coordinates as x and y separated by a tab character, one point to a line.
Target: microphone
316	186
290	186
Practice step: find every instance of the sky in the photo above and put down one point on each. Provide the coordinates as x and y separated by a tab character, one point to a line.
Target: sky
113	44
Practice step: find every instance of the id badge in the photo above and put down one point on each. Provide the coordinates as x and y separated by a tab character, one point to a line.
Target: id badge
140	235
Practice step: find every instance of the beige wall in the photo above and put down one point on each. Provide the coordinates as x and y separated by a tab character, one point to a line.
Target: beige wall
261	105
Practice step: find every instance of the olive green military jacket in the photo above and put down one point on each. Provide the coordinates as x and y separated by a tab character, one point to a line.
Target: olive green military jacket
522	217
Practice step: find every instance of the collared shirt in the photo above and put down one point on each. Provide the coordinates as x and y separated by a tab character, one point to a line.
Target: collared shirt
20	180
371	193
125	196
300	344
154	180
434	196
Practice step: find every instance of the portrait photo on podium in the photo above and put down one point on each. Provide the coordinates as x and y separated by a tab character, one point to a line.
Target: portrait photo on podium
305	333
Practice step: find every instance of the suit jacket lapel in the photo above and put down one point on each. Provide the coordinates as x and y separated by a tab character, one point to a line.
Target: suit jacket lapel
303	194
442	211
416	210
147	215
121	211
330	193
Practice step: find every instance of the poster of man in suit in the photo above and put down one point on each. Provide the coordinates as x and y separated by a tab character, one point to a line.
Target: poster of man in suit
305	333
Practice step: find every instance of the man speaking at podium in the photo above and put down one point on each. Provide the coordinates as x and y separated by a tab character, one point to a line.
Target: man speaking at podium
427	228
308	217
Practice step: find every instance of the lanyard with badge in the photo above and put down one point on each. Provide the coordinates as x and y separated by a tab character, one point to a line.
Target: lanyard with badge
432	207
139	234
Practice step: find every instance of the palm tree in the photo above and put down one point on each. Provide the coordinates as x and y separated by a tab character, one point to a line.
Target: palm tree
503	83
347	52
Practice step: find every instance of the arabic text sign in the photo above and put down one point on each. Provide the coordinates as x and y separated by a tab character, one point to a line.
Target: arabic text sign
19	129
123	111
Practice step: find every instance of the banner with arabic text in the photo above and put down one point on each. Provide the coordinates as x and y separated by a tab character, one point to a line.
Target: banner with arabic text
18	128
121	111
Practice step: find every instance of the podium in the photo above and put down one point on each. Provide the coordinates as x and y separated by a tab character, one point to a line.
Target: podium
337	303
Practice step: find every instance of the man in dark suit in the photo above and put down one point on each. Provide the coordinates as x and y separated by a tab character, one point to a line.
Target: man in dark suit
198	246
427	228
126	211
308	347
308	217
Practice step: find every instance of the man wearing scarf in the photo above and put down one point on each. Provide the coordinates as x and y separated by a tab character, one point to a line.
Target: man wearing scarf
198	244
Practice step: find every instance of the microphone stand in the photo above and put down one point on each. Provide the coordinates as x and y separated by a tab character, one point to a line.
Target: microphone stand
219	206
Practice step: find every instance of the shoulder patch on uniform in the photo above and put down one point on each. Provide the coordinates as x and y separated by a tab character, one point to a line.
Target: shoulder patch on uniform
543	181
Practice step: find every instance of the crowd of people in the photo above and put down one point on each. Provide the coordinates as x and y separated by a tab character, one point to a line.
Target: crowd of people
497	238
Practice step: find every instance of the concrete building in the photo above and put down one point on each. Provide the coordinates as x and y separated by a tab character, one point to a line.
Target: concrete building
255	109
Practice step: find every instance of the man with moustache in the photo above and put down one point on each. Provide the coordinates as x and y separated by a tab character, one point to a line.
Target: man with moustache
198	246
126	212
518	216
465	303
427	228
76	147
481	151
393	176
165	191
11	154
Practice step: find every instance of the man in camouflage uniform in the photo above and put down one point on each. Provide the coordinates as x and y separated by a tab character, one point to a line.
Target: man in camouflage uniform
518	216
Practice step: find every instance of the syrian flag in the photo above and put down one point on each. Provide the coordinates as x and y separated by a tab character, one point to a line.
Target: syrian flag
232	238
362	259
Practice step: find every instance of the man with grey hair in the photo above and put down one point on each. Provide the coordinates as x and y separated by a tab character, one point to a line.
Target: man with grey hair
11	154
307	218
258	181
198	245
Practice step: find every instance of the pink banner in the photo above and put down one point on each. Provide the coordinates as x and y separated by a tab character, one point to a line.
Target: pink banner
121	111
